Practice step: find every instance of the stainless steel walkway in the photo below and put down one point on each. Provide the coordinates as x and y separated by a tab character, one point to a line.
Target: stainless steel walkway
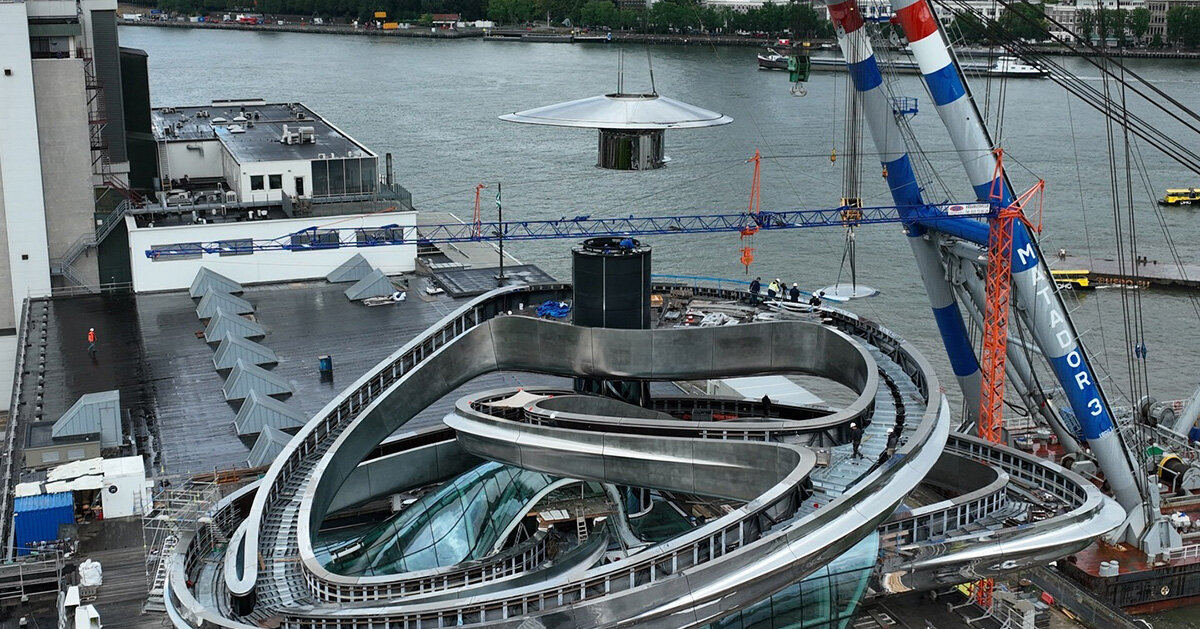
794	522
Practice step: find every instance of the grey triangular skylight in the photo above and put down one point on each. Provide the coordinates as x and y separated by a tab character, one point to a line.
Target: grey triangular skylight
351	270
214	300
375	284
262	411
223	324
270	443
234	348
207	281
245	377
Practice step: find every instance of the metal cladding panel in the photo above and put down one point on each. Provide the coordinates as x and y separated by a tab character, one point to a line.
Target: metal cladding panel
245	378
135	89
223	324
351	270
261	411
235	348
206	281
37	518
213	301
269	444
93	413
612	290
375	284
107	53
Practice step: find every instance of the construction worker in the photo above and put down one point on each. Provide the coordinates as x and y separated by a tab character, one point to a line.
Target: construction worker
773	289
766	404
856	435
755	286
815	300
91	337
794	294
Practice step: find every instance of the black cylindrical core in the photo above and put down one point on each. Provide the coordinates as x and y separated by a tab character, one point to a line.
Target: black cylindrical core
630	149
611	276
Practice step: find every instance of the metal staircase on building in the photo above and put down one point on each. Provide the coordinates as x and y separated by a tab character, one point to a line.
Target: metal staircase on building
62	266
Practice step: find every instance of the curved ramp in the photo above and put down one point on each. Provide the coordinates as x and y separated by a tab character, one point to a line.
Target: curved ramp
772	541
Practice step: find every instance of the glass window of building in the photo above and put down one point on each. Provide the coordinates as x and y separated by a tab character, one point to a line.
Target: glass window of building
276	182
256	182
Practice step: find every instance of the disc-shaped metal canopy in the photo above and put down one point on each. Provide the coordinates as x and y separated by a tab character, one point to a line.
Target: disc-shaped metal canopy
622	111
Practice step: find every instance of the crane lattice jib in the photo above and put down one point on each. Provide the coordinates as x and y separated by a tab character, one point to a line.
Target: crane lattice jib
585	226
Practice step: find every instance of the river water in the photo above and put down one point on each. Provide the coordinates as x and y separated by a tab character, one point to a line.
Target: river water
433	104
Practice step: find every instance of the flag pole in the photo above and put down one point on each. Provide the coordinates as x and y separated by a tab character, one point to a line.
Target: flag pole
500	218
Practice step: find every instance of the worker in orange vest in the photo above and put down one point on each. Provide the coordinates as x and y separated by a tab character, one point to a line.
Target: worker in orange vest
92	342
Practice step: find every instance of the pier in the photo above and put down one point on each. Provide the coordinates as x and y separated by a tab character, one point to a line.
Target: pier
1150	271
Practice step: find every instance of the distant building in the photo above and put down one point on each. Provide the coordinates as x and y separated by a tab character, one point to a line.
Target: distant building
1158	14
446	20
1066	14
263	192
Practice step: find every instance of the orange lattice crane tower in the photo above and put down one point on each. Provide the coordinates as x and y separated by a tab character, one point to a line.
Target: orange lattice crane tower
749	230
995	323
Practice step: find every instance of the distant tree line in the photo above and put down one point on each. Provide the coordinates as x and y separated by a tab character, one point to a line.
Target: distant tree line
1183	26
798	19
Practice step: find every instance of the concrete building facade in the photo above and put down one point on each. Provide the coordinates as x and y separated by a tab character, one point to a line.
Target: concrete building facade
61	137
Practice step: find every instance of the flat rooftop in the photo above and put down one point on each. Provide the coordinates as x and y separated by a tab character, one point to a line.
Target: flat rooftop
251	130
148	348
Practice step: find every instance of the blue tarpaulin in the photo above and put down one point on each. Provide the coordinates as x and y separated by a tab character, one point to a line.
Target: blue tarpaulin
554	309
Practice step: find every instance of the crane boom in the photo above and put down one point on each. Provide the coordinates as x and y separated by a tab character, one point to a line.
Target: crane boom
584	226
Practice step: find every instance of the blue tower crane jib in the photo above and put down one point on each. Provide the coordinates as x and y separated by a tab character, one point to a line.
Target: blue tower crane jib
584	226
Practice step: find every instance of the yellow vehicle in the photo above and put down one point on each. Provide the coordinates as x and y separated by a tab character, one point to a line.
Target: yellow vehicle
1181	196
1075	279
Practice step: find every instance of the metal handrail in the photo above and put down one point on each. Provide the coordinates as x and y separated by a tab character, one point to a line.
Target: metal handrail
14	419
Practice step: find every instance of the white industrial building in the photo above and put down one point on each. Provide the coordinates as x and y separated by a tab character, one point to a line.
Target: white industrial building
264	192
261	152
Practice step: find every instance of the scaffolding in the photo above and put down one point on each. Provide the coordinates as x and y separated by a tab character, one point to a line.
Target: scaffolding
176	512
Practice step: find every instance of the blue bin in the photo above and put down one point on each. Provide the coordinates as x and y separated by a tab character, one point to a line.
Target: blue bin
325	364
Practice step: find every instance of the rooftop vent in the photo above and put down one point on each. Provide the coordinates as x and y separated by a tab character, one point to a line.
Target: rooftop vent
219	120
239	119
289	137
236	128
308	135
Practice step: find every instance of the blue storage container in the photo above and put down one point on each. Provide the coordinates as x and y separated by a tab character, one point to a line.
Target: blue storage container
37	518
